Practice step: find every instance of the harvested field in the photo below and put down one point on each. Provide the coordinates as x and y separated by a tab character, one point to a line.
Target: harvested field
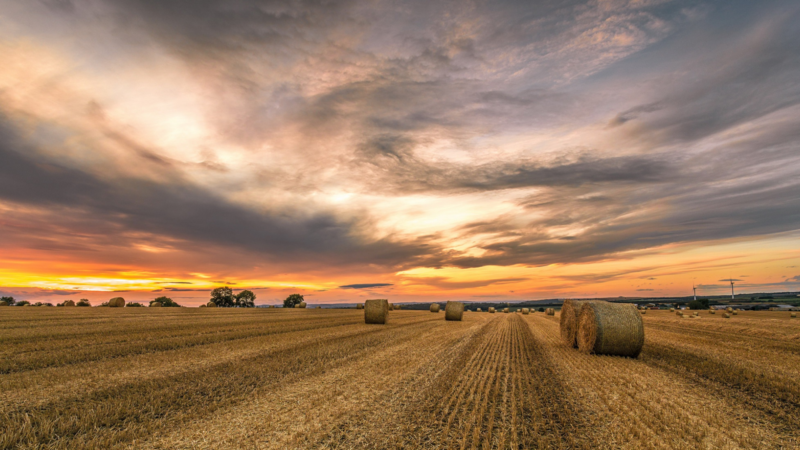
181	378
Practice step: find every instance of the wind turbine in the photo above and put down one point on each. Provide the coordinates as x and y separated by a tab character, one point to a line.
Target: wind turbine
694	289
732	296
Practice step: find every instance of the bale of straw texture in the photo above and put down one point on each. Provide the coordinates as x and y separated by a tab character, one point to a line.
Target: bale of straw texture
69	303
391	306
712	311
569	321
360	306
505	310
672	310
550	312
491	309
729	309
726	315
453	311
116	302
296	305
434	307
525	311
610	329
376	311
209	304
479	310
159	305
679	313
735	313
302	304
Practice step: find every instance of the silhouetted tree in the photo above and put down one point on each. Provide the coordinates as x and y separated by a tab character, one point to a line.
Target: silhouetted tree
9	300
294	299
245	299
83	302
22	303
701	303
166	301
223	297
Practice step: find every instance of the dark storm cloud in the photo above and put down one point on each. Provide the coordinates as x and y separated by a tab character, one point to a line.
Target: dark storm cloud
182	210
365	286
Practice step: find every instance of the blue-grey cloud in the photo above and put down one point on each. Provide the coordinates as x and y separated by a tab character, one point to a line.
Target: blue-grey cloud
365	285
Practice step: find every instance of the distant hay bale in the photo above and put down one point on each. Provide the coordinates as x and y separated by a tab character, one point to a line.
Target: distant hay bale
376	311
726	316
453	311
69	303
505	310
159	305
735	313
569	321
116	302
202	306
793	315
729	309
434	307
610	329
360	306
391	306
550	311
302	304
525	311
679	313
644	311
211	305
296	306
712	311
319	307
479	310
672	310
491	309
398	307
773	309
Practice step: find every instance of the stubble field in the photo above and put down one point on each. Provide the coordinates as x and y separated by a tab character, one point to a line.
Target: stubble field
181	378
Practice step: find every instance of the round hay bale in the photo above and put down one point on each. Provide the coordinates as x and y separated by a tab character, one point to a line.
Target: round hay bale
729	309
644	311
525	311
3	303
679	313
550	311
569	321
479	310
735	313
672	310
319	307
116	302
491	309
360	306
435	307
302	304
726	316
211	305
398	307
376	311
505	310
69	303
202	306
391	306
296	306
453	311
772	309
793	315
610	329
712	311
159	305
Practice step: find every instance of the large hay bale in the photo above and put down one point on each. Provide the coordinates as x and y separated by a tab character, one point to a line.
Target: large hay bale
434	307
211	305
453	311
610	329
116	302
505	310
302	304
525	311
159	305
491	309
376	311
360	306
479	310
729	309
69	303
550	311
726	316
569	321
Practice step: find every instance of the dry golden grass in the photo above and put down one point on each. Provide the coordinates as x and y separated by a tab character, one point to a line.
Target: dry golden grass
180	378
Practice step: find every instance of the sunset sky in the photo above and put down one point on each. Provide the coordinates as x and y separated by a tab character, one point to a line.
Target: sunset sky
416	151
